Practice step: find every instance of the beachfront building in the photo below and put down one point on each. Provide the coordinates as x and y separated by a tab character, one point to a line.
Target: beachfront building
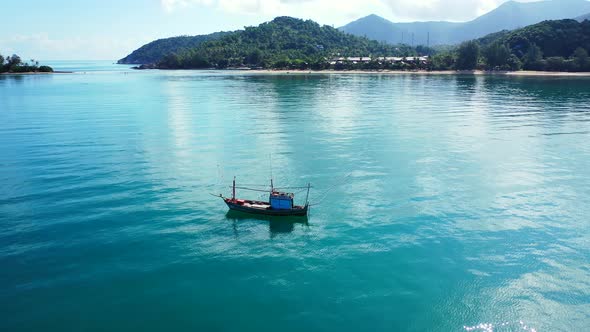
409	59
382	60
350	59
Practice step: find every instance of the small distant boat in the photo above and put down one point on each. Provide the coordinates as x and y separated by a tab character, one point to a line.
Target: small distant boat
279	203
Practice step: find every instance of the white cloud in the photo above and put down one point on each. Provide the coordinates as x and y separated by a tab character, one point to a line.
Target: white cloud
87	47
171	5
339	10
453	10
324	11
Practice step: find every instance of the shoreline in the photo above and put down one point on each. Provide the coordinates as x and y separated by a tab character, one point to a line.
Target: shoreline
422	72
39	73
521	73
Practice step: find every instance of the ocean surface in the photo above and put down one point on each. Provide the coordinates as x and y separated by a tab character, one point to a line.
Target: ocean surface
441	203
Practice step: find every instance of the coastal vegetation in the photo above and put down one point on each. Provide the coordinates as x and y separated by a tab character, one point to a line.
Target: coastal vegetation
14	64
289	43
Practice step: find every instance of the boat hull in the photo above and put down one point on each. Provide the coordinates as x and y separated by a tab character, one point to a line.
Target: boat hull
264	208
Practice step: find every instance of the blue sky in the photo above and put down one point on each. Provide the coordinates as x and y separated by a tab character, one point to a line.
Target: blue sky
109	29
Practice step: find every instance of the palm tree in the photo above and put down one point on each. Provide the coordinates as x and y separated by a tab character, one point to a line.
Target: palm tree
14	60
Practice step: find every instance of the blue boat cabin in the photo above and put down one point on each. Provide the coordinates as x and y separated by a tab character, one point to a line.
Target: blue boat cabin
281	201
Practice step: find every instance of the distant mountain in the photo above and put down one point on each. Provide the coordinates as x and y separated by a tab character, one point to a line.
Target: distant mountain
378	28
508	16
583	17
154	51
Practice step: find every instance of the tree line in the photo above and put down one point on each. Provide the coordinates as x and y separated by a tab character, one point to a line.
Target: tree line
289	43
14	64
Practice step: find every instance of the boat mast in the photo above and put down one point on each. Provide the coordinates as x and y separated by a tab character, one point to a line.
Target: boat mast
307	196
270	162
233	191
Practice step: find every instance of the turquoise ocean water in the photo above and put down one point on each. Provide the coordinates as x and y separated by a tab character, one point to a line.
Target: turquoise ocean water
466	207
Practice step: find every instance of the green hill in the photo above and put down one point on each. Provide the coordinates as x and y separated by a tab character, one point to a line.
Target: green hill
560	45
154	51
554	38
284	42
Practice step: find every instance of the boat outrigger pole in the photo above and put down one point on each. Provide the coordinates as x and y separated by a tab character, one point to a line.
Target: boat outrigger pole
307	195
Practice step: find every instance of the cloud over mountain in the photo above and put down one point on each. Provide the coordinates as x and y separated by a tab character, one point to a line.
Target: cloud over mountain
335	10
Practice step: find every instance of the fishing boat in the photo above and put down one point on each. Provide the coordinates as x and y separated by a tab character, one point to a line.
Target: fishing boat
279	203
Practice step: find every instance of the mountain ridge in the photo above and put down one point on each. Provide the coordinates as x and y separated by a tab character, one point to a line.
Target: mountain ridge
508	16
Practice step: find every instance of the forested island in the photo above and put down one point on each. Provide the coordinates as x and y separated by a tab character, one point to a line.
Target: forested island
14	64
289	43
284	42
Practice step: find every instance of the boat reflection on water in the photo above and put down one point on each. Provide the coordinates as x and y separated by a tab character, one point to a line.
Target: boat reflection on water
276	224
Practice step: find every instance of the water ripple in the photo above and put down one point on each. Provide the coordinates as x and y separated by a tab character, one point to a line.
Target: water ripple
466	206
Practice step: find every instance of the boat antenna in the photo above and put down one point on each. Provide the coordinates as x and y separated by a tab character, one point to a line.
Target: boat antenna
270	161
233	191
